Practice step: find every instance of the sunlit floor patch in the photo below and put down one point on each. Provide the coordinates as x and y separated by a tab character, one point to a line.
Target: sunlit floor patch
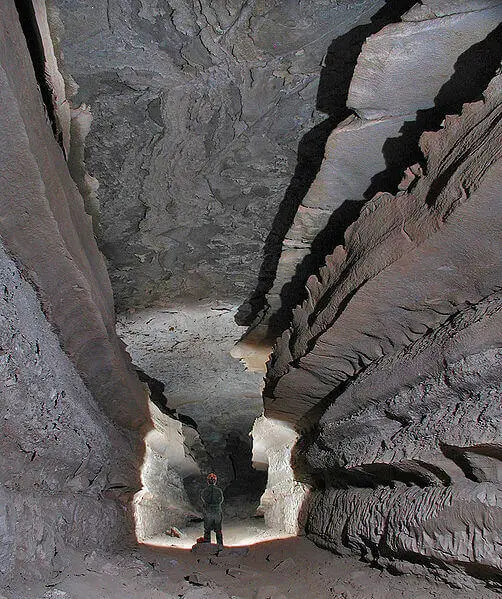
236	533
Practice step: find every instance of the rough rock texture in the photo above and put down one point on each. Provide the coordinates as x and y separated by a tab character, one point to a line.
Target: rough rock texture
445	528
187	348
59	473
395	357
198	110
43	224
70	401
163	502
391	369
281	503
408	76
197	113
445	223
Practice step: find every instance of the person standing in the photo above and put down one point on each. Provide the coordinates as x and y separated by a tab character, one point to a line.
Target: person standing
212	499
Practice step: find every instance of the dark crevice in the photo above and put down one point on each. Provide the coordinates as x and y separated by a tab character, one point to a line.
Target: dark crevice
158	398
248	484
367	476
438	472
35	45
460	455
406	472
294	292
342	55
309	159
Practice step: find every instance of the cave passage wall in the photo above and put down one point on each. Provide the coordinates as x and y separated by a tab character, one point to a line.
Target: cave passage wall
197	112
71	405
198	108
235	145
390	369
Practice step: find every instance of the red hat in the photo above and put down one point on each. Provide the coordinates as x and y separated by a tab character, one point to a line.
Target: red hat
212	478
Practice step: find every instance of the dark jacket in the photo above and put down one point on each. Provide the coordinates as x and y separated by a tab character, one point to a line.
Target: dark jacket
212	498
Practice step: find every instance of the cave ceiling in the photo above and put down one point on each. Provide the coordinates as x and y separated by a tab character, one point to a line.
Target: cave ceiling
210	121
198	109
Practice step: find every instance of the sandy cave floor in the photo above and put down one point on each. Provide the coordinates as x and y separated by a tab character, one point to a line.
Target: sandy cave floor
292	568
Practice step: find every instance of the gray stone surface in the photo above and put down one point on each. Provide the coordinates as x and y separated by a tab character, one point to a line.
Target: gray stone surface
392	365
198	111
44	225
402	68
452	526
351	318
162	505
59	473
408	76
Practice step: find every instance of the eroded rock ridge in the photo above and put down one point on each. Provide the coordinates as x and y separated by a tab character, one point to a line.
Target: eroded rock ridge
391	367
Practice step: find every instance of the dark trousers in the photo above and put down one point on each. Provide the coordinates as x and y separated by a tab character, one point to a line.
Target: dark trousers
213	522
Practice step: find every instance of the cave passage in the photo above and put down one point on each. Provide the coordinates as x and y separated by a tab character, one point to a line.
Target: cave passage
201	273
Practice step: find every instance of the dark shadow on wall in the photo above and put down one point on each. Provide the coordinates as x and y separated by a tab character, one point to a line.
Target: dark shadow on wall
473	71
342	55
309	158
293	292
335	77
248	484
35	45
158	398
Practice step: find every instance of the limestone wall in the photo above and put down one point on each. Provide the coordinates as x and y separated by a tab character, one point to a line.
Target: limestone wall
67	474
71	405
391	368
44	225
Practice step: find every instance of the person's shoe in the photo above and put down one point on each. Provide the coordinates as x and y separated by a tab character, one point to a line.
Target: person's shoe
220	546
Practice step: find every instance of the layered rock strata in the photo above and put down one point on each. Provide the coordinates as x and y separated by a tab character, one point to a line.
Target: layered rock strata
409	263
392	364
408	76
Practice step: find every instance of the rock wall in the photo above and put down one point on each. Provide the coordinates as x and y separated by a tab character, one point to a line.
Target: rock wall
198	109
451	531
432	226
408	76
391	367
283	502
163	501
44	225
67	473
71	405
